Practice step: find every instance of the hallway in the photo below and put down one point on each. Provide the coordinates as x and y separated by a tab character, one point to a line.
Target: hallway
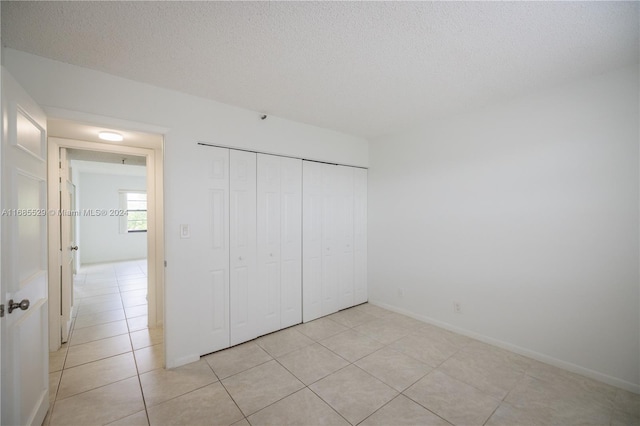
110	346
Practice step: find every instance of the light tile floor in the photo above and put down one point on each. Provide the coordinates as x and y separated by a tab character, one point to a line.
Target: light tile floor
364	365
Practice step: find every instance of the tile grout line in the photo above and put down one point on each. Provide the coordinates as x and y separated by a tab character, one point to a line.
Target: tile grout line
135	361
229	394
307	386
385	346
508	363
327	403
64	367
388	346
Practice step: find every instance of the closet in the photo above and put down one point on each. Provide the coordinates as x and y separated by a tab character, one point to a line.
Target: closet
244	284
213	321
286	243
334	238
279	237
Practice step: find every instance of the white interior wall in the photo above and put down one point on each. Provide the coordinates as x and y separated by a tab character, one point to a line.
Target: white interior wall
58	87
527	214
101	239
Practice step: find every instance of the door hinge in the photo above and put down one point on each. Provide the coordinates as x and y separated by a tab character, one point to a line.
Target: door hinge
2	310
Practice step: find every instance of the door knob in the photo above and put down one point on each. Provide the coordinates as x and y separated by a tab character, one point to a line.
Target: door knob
74	248
24	305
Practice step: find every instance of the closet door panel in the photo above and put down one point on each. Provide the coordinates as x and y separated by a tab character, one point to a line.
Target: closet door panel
360	235
240	305
330	239
345	232
291	242
214	296
268	242
312	248
243	284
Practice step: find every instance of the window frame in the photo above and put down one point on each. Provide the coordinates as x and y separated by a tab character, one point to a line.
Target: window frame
124	206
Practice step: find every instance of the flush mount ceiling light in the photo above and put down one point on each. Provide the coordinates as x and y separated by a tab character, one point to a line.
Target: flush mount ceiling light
111	136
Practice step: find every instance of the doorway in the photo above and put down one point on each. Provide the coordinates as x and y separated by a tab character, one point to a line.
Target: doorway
104	229
77	145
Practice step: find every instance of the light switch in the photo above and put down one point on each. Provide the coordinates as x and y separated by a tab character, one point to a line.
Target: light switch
184	231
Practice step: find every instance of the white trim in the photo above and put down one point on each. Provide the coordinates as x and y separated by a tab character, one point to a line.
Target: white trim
574	368
182	361
41	156
87	118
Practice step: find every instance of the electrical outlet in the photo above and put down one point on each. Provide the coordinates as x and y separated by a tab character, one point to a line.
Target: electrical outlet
457	308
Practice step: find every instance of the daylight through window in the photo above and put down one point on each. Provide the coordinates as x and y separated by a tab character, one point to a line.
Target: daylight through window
136	205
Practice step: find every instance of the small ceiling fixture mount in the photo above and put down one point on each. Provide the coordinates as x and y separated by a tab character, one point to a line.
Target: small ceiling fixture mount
111	136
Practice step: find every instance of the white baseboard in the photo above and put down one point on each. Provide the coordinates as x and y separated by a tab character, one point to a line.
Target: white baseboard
574	368
181	361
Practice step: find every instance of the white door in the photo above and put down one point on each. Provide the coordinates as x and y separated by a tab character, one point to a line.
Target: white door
279	239
344	225
291	242
312	198
214	294
330	239
67	244
360	235
244	299
268	242
24	344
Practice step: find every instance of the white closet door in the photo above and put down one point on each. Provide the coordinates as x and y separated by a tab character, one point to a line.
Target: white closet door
243	284
330	239
312	198
360	235
291	242
345	233
214	296
269	242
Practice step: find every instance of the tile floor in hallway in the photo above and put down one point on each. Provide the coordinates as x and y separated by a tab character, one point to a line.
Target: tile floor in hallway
364	365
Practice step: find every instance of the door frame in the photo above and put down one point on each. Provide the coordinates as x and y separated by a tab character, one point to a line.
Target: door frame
155	227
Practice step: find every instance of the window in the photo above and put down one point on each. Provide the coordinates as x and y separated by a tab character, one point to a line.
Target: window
135	203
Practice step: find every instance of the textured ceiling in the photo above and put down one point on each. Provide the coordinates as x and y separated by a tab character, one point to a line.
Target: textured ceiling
364	68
